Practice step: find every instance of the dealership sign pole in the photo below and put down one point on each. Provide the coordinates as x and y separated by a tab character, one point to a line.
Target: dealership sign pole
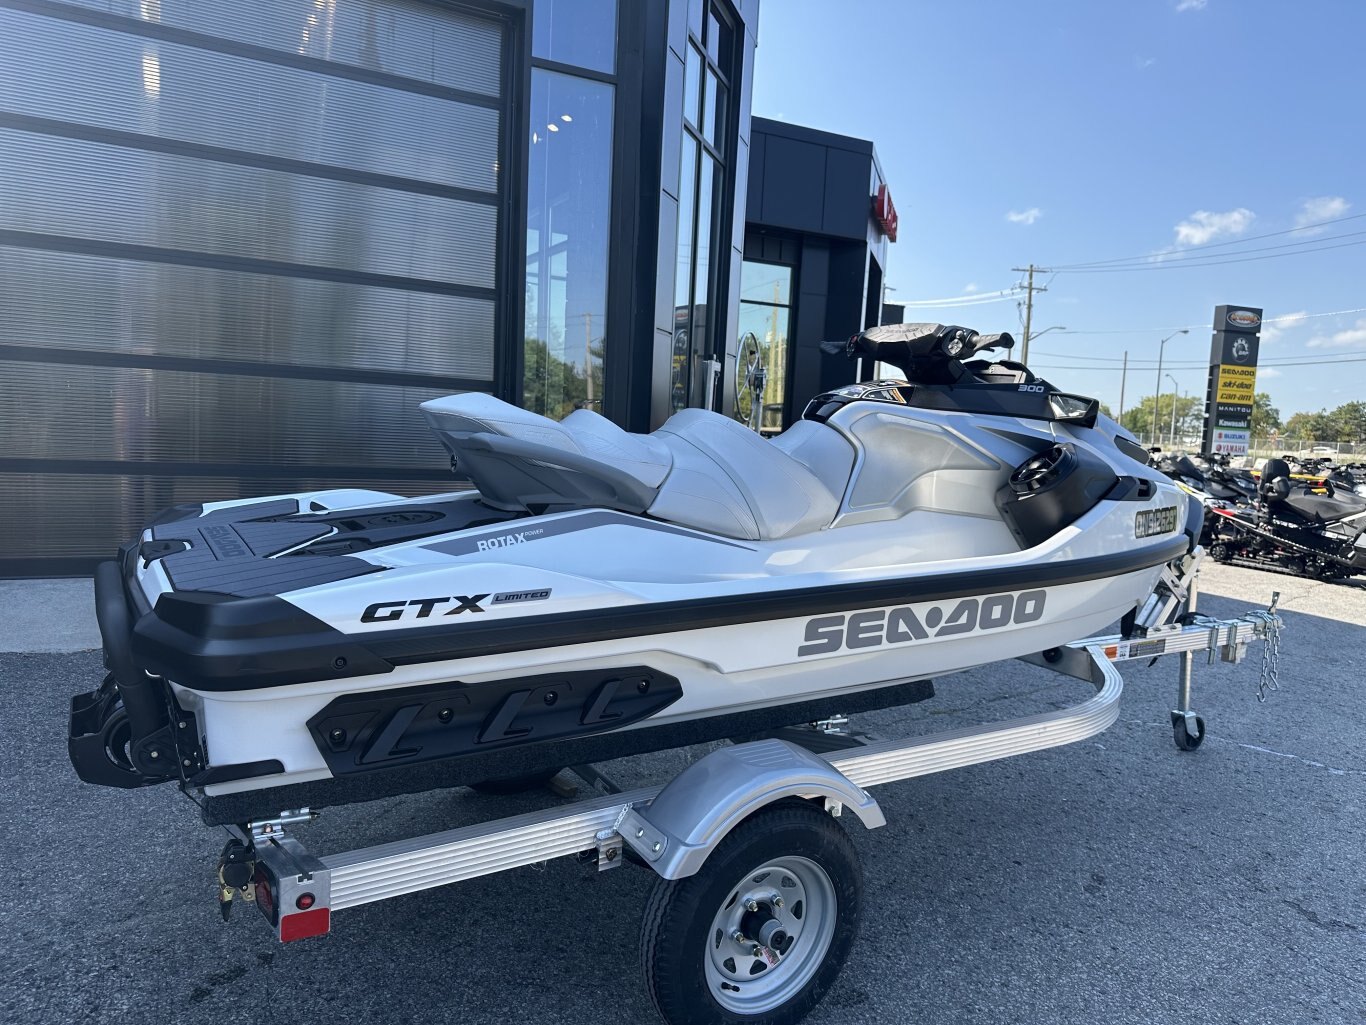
1232	380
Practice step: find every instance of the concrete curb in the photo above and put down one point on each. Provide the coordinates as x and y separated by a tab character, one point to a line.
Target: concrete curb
48	616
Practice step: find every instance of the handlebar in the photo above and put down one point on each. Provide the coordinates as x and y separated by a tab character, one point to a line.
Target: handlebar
923	352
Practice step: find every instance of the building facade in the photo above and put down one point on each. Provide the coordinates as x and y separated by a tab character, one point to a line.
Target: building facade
819	223
239	243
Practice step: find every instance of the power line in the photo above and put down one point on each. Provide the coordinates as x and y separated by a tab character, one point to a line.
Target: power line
1273	361
1209	245
1193	327
1201	261
1303	363
1179	264
974	299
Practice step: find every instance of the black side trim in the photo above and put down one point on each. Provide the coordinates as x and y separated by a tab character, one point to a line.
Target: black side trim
525	759
208	642
362	732
215	642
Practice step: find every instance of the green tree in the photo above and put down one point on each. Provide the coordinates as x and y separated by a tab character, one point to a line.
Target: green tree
1151	419
1265	417
1311	426
1349	422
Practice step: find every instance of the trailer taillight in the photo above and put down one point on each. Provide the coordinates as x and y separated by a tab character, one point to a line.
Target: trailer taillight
303	924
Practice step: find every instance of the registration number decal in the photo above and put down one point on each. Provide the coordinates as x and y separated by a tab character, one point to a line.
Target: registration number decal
1150	522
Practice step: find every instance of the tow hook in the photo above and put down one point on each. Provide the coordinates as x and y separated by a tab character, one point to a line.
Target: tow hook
236	870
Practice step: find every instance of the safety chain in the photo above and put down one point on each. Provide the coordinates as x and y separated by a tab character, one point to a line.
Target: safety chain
1269	678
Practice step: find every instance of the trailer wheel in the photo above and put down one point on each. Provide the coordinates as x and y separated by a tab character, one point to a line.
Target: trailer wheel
759	935
1184	740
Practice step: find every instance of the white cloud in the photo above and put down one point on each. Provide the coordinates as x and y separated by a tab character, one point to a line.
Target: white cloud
1267	373
1190	5
1341	339
1144	63
1274	330
1320	208
970	287
1203	226
1024	216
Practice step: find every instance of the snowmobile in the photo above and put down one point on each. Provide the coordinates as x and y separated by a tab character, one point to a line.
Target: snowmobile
1311	529
597	593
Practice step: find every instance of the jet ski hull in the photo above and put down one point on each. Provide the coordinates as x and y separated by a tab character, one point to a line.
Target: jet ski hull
324	696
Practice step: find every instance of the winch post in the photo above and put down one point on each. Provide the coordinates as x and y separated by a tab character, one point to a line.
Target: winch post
1188	729
1183	698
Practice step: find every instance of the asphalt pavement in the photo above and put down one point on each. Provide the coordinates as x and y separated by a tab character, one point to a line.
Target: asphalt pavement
1113	881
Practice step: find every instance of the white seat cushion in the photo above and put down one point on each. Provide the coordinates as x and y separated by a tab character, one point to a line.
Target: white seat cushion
779	494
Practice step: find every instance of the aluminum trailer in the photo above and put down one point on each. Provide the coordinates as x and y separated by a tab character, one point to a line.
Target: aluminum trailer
758	890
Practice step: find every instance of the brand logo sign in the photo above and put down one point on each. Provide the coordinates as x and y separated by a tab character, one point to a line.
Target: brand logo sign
877	627
509	597
223	541
1244	320
388	611
521	537
1241	349
884	212
1151	522
1236	385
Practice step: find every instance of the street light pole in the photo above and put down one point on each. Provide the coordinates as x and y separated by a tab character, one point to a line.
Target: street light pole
1175	390
1162	346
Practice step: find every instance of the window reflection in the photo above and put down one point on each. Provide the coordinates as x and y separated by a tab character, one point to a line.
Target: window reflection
764	351
703	179
568	213
578	32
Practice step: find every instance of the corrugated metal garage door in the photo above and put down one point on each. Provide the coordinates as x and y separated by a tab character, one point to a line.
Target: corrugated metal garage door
239	243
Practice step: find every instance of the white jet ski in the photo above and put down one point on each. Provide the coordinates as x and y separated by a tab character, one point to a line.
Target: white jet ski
600	593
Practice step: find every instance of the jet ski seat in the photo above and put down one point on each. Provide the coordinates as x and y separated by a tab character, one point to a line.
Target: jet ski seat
700	470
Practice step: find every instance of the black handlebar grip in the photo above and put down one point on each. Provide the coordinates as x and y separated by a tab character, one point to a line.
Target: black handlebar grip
1003	340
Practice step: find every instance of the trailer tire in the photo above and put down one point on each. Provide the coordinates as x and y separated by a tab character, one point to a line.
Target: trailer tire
697	974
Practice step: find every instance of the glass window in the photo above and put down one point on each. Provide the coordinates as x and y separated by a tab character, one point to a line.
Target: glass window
764	350
687	197
692	87
700	301
718	39
714	110
765	283
578	32
568	214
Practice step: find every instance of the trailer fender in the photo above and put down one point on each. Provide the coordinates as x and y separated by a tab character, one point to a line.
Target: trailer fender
676	831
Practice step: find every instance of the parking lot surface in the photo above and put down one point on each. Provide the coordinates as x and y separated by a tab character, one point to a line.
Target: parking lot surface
1116	880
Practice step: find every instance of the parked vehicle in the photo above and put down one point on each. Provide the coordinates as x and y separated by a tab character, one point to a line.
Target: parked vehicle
1296	526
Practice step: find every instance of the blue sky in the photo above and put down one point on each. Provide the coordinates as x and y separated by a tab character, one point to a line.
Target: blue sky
1079	131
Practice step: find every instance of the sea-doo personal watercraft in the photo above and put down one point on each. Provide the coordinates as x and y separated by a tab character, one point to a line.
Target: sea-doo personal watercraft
1315	529
600	593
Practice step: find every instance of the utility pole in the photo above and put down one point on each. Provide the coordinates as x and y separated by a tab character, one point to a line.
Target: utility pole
1030	289
1123	377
